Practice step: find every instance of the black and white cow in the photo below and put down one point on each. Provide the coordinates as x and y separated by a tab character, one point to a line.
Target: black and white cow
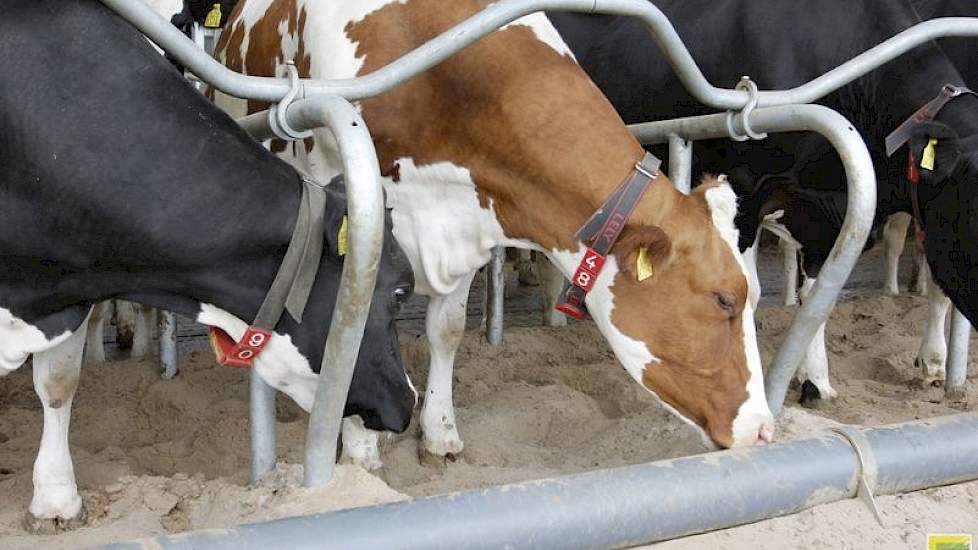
188	214
782	46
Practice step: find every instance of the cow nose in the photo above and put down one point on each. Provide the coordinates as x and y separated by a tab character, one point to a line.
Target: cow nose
765	435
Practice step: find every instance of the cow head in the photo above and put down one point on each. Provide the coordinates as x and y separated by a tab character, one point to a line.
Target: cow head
948	197
381	392
672	304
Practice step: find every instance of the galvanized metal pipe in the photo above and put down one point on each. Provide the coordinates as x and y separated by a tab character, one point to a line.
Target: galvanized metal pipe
848	246
167	325
681	163
634	505
261	426
365	208
957	356
496	291
500	13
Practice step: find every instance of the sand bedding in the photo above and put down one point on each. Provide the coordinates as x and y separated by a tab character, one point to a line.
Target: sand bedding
155	457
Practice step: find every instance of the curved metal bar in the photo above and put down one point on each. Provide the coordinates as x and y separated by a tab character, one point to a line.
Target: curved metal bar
499	14
860	209
365	208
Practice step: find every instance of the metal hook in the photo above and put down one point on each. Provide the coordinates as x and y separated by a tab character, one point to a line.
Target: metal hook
750	87
276	114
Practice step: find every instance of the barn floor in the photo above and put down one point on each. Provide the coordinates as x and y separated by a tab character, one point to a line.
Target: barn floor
160	457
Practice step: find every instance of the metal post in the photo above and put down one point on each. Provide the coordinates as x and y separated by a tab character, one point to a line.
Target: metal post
634	505
681	162
496	290
860	210
167	325
957	356
499	14
366	213
261	424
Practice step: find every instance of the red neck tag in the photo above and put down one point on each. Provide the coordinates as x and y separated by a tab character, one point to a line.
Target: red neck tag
240	354
913	173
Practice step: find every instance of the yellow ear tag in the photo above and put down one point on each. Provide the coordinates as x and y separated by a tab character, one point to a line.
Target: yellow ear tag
213	19
341	237
927	159
643	264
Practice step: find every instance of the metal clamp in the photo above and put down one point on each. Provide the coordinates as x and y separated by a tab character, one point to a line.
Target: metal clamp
867	467
276	114
749	86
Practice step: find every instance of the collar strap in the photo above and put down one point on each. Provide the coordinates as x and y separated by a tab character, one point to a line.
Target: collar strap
926	113
901	135
292	284
601	231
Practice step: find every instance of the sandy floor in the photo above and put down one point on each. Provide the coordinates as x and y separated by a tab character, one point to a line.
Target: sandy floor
161	457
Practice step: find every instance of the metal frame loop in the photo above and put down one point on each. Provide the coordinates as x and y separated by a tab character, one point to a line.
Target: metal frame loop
749	86
276	114
868	471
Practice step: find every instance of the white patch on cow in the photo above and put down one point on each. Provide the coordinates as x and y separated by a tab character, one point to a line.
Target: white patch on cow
441	225
280	365
544	31
19	339
754	414
360	445
56	372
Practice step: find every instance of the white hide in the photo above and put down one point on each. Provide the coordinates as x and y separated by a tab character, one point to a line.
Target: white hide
360	444
894	237
19	339
754	417
280	365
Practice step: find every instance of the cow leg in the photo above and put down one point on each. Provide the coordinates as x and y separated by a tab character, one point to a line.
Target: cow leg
753	281
814	370
124	319
527	268
445	326
56	503
789	261
360	445
894	238
921	272
144	327
552	283
933	349
95	341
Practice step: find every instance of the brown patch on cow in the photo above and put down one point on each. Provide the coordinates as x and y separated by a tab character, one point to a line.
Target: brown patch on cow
489	109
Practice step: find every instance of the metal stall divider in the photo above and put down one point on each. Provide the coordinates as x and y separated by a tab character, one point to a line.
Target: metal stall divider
776	111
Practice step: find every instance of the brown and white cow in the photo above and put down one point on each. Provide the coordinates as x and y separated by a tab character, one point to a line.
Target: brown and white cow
508	143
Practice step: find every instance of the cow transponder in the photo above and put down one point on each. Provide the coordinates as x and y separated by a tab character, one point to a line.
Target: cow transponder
240	354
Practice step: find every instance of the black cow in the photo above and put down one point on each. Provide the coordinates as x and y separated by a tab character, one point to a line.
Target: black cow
781	45
119	180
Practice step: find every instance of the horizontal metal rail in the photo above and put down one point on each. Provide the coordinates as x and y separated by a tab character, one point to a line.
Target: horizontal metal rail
860	210
506	11
634	505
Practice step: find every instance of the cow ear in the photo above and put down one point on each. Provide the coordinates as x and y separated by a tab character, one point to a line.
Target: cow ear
936	151
642	251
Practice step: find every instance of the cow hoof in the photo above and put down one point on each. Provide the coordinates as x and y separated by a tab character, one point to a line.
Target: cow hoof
436	460
930	376
813	396
889	291
439	453
52	526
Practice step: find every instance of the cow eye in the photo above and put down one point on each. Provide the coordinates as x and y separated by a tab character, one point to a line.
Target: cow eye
727	302
401	293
